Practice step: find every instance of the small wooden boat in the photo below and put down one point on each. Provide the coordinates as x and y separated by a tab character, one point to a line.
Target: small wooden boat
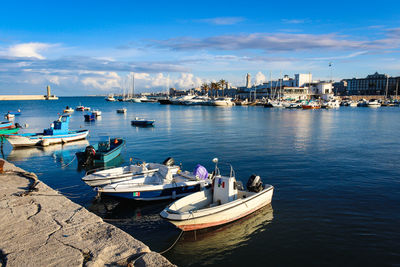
223	203
101	153
57	133
121	110
167	183
142	122
90	116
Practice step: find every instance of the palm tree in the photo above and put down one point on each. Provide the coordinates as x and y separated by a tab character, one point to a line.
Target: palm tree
222	83
205	87
214	86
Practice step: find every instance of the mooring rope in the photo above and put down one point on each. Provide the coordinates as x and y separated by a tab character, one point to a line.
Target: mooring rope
64	166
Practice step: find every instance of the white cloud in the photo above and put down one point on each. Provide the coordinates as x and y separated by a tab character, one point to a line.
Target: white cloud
260	78
104	81
222	20
28	50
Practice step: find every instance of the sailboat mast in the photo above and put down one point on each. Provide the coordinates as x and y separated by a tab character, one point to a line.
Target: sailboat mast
133	84
387	86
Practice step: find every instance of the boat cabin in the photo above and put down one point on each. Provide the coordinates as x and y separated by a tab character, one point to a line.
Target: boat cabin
60	126
225	190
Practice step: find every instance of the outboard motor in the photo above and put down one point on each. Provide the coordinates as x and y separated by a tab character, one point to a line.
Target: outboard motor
254	184
17	125
169	161
89	154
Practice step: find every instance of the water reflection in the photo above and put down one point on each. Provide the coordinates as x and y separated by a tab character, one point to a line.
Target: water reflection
205	245
60	152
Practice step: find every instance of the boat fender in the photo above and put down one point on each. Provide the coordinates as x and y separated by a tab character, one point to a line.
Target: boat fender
173	194
169	161
254	184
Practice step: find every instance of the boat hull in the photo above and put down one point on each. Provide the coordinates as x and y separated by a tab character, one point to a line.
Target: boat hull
161	194
44	140
7	131
218	215
6	125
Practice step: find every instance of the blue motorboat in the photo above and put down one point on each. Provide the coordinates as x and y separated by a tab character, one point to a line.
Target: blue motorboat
90	116
15	113
142	122
57	133
101	153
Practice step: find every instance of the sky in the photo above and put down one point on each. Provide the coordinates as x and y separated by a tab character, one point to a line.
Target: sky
93	47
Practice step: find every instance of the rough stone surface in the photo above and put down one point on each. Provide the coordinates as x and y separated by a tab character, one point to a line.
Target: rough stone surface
40	227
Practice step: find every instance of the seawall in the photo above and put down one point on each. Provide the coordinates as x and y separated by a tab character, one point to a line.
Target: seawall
27	97
41	227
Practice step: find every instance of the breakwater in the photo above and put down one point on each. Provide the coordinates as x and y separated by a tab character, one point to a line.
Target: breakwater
41	227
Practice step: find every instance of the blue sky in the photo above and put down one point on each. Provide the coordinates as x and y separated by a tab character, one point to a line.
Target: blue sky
90	47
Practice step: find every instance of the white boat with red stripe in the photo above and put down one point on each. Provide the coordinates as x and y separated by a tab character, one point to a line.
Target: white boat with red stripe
223	203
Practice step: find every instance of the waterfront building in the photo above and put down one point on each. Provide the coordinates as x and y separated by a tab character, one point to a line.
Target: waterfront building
340	88
374	84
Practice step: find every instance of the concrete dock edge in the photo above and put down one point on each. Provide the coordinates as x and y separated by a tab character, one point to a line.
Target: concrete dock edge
41	227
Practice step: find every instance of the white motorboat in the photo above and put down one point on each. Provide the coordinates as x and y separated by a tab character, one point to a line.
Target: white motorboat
180	100
222	204
96	112
110	98
353	104
198	100
373	103
222	102
166	183
101	177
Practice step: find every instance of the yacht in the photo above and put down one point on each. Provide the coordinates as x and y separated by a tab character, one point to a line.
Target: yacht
373	103
222	101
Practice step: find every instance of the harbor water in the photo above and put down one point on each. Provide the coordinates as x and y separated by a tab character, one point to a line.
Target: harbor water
336	176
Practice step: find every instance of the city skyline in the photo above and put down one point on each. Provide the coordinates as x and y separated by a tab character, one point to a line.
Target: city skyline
91	47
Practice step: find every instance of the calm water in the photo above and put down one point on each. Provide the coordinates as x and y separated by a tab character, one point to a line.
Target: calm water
335	172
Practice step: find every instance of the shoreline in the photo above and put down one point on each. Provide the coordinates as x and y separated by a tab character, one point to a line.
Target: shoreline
41	227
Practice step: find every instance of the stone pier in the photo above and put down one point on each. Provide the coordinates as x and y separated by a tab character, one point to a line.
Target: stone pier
41	227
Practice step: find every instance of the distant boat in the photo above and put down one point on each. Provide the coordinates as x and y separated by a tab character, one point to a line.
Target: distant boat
311	105
9	116
102	152
68	110
142	122
96	112
121	110
16	113
82	108
110	98
57	133
373	103
90	116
